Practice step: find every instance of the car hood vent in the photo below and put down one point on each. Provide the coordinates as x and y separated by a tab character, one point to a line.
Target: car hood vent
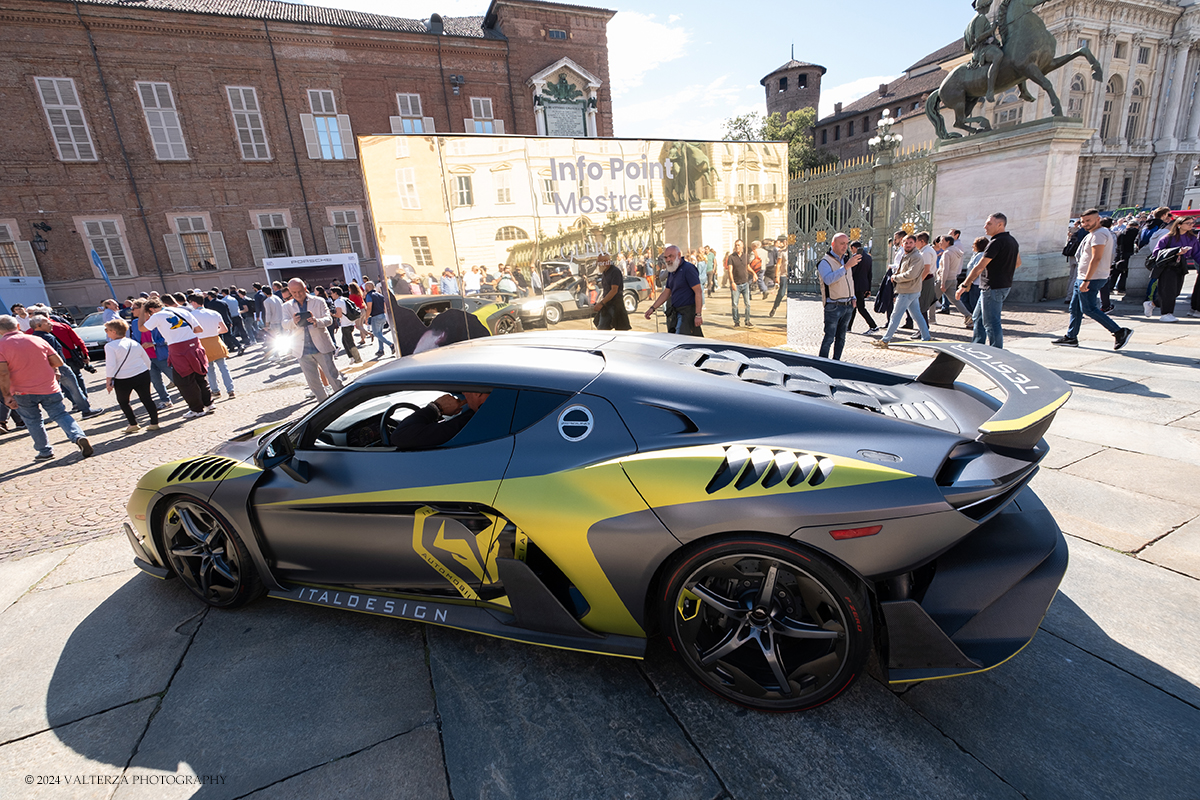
767	467
205	468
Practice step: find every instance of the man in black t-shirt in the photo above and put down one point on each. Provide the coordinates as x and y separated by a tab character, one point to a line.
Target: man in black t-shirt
1000	260
610	308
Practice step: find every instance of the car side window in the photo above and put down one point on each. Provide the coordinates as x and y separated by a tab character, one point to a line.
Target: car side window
354	423
533	405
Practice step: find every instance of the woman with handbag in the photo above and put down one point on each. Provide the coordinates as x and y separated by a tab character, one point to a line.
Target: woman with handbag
1169	273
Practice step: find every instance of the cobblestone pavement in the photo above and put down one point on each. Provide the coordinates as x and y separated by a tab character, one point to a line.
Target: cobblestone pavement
71	500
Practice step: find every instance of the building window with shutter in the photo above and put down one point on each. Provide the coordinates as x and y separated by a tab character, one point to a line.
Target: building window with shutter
503	186
274	235
463	194
482	120
158	104
422	255
105	237
406	186
197	246
247	121
65	115
547	191
1143	55
10	260
327	134
410	113
347	235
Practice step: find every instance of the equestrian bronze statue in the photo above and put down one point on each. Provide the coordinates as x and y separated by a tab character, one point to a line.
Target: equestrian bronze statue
1018	48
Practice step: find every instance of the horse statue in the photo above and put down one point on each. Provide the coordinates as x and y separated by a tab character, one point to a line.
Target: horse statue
691	165
1028	54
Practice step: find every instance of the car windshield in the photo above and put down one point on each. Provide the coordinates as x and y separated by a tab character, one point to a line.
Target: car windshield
92	320
566	284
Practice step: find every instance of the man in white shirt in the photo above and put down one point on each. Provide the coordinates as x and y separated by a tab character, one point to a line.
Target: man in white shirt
1095	256
309	316
184	354
212	325
929	290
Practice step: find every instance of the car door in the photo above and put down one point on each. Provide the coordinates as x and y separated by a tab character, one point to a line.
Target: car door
374	516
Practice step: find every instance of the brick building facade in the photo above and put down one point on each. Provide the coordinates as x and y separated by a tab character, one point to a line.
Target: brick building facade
186	140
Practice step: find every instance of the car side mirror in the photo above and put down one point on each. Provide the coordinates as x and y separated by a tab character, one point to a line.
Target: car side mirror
277	451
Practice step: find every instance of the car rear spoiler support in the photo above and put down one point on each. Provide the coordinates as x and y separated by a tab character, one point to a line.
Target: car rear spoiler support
1033	394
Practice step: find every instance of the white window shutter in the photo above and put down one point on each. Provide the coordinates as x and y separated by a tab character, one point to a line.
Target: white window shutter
397	124
499	125
175	251
427	125
258	250
220	253
297	242
310	136
347	136
468	125
356	242
331	240
29	265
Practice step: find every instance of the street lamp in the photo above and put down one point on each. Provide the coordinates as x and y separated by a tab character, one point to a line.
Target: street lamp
884	141
40	243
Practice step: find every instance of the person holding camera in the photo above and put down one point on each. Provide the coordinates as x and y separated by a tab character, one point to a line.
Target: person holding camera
309	316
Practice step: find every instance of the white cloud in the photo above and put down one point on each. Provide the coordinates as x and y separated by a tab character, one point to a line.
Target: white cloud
673	18
638	44
847	93
698	109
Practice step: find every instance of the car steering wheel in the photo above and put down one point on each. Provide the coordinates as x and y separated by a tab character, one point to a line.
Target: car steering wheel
385	433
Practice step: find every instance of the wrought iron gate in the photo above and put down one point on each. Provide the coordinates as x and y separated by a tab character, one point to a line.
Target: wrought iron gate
865	198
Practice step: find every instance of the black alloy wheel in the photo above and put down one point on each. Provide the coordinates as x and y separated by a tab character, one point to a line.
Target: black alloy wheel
766	624
207	555
505	325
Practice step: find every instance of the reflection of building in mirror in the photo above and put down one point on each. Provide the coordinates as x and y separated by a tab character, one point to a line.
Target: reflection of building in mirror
491	201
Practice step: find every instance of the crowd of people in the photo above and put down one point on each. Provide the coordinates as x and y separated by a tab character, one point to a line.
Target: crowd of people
181	339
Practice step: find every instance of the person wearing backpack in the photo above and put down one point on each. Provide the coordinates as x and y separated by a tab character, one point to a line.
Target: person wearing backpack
346	313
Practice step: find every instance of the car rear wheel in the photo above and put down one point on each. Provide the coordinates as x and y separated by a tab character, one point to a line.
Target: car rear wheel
554	314
505	325
207	555
631	302
766	624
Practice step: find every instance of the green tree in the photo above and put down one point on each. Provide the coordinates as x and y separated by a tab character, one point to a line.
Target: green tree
744	128
795	129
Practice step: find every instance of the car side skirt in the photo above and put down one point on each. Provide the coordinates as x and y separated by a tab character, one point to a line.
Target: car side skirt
469	618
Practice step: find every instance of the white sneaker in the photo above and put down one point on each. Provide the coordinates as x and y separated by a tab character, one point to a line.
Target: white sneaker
209	409
193	414
132	428
1168	318
1148	308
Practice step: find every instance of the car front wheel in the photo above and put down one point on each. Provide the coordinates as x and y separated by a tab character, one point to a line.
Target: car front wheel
631	302
766	624
207	555
554	314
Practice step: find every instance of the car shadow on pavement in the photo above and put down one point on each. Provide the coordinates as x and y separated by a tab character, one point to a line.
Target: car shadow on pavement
291	675
1104	383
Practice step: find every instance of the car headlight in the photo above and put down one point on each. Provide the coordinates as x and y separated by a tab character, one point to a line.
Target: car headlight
534	306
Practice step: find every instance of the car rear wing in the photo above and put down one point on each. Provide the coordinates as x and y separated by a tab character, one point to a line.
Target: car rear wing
1033	394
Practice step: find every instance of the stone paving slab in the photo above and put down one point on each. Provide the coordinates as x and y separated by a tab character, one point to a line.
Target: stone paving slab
1154	476
530	723
1134	435
1132	614
78	760
865	744
1119	402
407	766
1064	451
1057	722
1191	422
1180	551
88	647
274	689
18	577
106	556
1128	522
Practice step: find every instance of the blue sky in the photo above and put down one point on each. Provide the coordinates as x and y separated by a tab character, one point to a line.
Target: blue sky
682	68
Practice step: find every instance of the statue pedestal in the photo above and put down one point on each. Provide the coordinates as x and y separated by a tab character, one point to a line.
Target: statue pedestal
1027	173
